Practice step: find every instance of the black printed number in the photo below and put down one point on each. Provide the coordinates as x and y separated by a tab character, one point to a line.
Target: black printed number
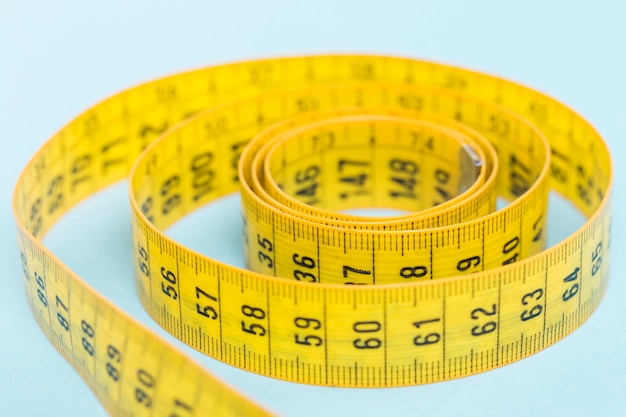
369	328
143	393
266	247
88	337
206	311
403	178
427	338
574	287
168	278
62	320
311	325
347	270
487	327
596	258
467	263
305	272
536	309
115	357
255	314
413	272
41	291
143	261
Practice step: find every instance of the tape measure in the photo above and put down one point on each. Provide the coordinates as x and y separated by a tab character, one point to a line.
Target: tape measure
460	287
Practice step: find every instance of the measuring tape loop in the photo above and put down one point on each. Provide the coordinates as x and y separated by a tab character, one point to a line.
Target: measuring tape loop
460	287
438	186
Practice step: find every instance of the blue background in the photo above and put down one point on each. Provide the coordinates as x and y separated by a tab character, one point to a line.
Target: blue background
59	57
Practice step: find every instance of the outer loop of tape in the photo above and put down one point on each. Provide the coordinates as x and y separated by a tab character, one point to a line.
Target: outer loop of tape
460	288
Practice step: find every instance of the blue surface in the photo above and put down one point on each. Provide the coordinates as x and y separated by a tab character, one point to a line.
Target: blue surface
57	58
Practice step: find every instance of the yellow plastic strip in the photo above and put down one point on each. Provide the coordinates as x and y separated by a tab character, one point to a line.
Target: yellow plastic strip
461	288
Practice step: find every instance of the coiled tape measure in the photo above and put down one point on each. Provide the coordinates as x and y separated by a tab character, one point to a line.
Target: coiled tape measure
461	287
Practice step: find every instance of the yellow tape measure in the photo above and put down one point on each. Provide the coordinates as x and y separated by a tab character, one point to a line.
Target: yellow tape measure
461	287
